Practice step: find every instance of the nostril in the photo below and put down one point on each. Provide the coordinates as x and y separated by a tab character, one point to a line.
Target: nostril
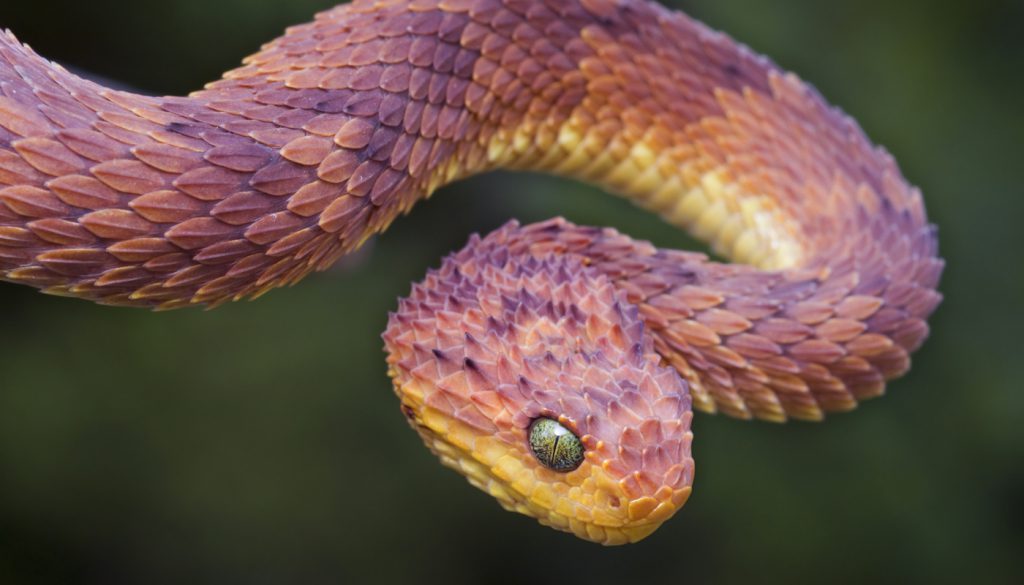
614	502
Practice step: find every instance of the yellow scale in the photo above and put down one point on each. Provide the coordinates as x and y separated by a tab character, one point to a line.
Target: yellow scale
743	227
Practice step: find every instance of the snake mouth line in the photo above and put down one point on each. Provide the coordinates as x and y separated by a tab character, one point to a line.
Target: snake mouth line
511	488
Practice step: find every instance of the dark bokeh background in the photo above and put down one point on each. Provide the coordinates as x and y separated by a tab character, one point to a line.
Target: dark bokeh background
261	443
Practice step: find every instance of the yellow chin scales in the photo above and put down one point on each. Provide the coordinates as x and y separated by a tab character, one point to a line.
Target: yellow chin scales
587	502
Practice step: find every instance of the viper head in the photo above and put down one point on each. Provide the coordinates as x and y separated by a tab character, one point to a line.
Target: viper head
530	375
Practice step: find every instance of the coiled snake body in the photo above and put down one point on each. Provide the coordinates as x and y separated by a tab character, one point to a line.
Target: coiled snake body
327	134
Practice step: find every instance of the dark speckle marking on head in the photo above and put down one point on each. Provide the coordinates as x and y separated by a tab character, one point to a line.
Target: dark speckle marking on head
408	412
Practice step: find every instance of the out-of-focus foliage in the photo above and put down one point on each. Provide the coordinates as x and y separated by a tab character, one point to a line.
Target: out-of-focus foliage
260	442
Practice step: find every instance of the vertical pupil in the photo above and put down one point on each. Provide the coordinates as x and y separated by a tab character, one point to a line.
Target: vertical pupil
555	446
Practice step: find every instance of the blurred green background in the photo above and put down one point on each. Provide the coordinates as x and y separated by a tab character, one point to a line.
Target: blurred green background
261	443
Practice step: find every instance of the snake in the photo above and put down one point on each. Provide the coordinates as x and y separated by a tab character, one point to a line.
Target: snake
555	366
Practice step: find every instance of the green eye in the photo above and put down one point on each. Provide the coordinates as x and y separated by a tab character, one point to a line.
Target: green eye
555	446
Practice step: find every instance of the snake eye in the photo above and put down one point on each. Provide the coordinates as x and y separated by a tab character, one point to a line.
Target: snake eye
555	446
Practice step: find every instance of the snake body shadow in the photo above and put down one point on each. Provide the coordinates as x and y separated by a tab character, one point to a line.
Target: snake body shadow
555	366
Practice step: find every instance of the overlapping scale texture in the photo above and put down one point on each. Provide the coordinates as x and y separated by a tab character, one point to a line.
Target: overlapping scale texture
495	339
330	132
752	343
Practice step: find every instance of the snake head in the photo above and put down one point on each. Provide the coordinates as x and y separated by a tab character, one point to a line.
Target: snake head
495	341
